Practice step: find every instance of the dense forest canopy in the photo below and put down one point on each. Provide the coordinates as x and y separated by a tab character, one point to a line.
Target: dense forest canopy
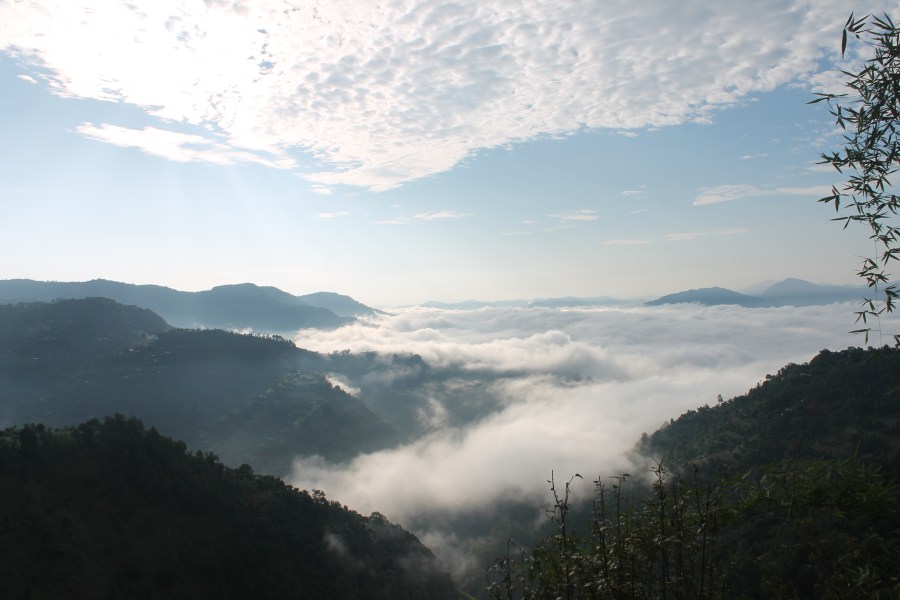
111	509
788	491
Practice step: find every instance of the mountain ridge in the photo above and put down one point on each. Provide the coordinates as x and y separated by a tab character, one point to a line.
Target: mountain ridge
233	306
787	292
71	360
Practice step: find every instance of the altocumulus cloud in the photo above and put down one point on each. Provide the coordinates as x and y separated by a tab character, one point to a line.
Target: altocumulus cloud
574	390
375	94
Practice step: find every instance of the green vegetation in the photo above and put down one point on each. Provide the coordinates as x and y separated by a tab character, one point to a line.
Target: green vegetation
790	491
786	492
870	155
840	404
249	398
108	509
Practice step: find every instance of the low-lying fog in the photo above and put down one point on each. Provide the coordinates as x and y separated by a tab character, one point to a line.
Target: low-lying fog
571	391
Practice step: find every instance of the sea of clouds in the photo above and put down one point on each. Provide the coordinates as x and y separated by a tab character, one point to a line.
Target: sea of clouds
573	388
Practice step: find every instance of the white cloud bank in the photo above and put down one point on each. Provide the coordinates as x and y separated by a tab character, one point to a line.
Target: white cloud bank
380	93
574	389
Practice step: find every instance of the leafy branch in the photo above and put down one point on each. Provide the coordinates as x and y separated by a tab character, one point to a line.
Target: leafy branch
870	154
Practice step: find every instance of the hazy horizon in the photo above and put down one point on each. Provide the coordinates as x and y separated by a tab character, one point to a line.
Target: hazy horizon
622	300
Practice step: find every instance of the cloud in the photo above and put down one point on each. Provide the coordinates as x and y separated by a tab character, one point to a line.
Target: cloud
627	242
439	215
573	390
576	215
754	156
732	231
324	190
729	193
377	94
634	193
180	147
687	236
821	168
333	215
681	237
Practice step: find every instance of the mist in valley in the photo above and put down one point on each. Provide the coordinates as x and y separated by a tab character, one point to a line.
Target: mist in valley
494	400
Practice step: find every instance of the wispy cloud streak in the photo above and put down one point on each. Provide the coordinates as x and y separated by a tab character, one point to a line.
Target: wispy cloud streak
730	193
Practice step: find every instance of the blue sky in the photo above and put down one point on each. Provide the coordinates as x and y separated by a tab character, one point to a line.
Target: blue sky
406	151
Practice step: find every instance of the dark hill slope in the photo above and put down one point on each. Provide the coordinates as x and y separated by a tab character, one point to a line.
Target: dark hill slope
110	510
838	405
246	397
789	491
37	337
805	469
707	296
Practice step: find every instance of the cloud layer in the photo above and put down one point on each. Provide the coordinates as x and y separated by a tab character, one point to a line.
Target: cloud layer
574	390
378	93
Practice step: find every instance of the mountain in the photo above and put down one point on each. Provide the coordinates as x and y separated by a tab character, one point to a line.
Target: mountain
239	306
249	398
111	509
707	296
797	292
38	337
789	292
838	405
342	306
788	491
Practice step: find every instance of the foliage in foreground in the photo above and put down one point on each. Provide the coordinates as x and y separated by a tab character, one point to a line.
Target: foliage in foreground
871	117
111	510
787	492
811	529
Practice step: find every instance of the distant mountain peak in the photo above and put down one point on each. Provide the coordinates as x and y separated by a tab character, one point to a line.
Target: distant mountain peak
787	292
791	284
706	296
239	306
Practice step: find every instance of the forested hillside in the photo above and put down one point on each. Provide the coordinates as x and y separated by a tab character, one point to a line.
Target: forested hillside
789	491
839	405
109	509
249	398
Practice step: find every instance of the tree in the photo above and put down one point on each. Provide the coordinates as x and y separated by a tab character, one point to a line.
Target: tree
869	115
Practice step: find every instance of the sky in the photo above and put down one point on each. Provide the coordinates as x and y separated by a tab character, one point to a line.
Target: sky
406	151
